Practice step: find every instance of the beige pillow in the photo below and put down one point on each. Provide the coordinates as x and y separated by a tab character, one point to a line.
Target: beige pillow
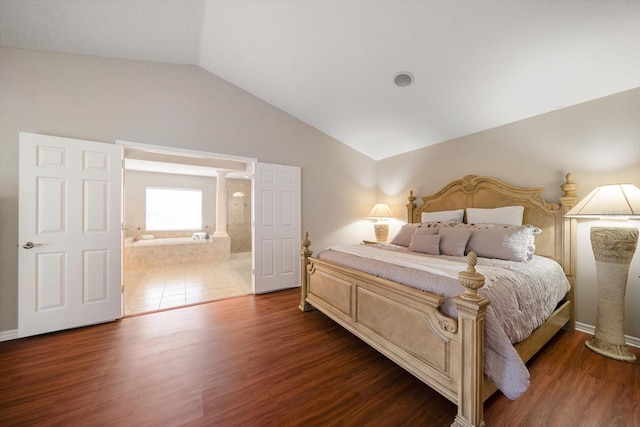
425	243
403	238
453	241
511	243
427	231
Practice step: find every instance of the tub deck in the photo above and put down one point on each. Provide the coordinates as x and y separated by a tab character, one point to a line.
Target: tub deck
175	250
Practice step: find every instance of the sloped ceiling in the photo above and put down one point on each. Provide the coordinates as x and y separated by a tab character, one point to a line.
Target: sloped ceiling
476	64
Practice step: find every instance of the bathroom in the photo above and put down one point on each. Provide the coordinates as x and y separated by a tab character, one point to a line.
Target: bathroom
174	255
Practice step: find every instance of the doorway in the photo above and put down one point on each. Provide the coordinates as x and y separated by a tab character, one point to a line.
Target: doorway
172	254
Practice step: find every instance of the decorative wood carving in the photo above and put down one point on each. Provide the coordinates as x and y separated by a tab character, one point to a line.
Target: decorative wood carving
471	279
445	323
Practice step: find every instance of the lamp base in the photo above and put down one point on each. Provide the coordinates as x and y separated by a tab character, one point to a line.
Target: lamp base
382	231
614	351
613	249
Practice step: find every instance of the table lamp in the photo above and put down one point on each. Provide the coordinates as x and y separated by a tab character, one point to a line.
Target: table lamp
381	214
613	247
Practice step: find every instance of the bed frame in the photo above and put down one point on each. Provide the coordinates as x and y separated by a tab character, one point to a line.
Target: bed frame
406	325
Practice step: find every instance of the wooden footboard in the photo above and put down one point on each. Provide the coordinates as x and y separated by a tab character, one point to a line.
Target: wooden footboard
406	325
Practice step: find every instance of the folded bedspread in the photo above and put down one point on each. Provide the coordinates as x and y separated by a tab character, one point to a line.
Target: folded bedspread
522	294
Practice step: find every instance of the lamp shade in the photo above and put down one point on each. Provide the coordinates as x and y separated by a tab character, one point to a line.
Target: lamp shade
380	211
615	200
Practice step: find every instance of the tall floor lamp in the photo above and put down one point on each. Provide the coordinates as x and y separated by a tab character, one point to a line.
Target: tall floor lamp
613	248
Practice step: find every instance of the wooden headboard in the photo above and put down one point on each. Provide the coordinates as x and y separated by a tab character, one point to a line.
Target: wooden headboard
558	238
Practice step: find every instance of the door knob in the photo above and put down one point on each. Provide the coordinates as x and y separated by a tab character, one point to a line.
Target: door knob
31	245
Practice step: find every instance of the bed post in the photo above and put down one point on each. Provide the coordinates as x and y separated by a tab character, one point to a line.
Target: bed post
305	253
411	207
471	310
569	243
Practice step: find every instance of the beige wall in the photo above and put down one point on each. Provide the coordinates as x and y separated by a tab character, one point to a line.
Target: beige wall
105	100
598	141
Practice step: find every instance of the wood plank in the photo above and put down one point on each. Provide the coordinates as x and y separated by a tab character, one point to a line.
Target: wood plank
258	360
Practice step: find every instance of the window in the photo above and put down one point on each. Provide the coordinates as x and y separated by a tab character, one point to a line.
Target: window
174	209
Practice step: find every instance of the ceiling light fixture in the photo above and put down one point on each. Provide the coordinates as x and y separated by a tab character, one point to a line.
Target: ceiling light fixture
403	79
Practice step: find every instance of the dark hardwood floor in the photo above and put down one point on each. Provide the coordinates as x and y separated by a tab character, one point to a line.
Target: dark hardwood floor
259	361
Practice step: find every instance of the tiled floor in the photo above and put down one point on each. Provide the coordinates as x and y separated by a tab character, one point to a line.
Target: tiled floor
157	288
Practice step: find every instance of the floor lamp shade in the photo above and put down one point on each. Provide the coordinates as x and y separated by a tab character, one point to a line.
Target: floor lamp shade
381	213
613	249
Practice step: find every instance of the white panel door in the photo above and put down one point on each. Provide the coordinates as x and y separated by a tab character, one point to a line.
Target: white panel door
70	251
276	233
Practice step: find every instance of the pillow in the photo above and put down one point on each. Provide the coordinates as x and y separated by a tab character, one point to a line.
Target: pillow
427	230
453	241
403	238
481	226
511	215
425	243
442	215
439	224
511	243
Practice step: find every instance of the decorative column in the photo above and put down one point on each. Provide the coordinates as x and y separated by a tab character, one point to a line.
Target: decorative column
221	205
221	239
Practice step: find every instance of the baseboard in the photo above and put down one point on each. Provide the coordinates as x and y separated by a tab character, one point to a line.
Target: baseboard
9	335
589	329
581	327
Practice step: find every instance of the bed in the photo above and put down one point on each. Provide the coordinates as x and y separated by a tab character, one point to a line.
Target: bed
411	326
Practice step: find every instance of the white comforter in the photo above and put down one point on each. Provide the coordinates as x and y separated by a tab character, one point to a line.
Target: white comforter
522	294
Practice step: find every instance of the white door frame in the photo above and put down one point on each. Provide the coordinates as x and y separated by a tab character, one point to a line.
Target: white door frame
163	149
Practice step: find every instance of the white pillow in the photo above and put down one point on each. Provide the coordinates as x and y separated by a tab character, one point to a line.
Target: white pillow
442	215
511	215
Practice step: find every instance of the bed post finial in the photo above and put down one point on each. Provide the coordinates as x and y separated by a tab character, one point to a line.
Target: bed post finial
569	187
471	279
410	207
305	253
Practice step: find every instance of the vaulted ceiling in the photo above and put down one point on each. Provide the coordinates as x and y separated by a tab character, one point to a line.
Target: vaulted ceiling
476	64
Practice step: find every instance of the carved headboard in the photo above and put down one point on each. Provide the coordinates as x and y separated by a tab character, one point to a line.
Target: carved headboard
557	240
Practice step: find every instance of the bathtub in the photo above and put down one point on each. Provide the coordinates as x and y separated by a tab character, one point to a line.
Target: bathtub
170	251
169	241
